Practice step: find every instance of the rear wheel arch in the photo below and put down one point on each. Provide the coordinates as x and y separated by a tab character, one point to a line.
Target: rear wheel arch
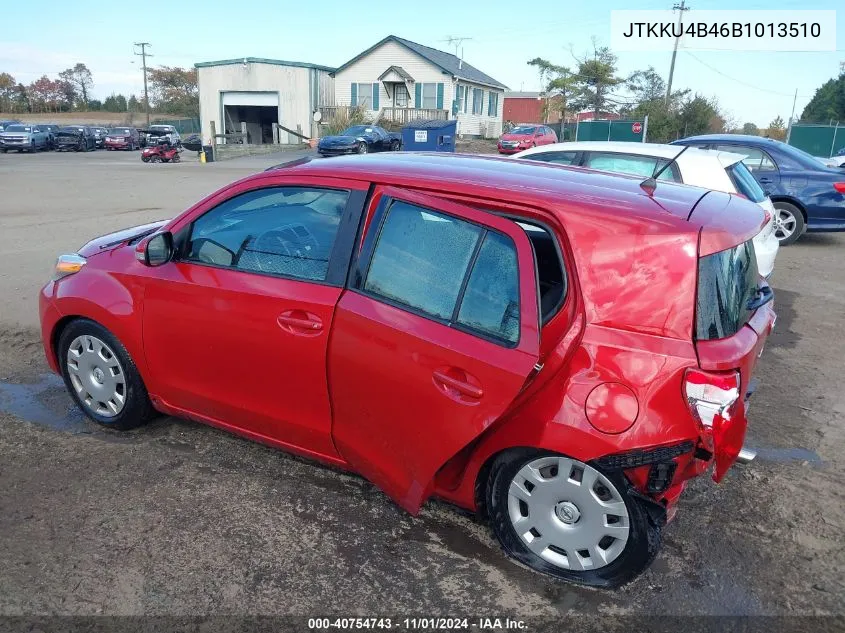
792	201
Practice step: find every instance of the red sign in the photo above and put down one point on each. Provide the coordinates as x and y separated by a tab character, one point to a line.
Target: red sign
637	127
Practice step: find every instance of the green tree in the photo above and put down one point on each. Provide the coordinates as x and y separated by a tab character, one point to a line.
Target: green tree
596	77
700	115
95	105
828	103
80	78
7	89
646	85
776	129
750	128
559	86
132	105
115	103
175	90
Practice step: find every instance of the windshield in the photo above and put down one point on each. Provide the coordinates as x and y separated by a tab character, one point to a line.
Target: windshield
18	128
74	130
523	129
357	130
162	128
745	183
120	131
727	282
801	157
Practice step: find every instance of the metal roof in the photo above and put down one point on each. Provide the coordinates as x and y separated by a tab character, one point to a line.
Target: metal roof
447	62
261	60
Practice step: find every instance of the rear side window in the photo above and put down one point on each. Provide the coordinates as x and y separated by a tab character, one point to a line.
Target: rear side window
755	159
745	183
727	282
557	158
645	166
453	271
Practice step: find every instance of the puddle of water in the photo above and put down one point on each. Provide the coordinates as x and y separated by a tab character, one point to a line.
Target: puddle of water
788	455
30	402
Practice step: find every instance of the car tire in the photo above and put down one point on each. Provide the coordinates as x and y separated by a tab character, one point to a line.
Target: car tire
362	148
155	159
788	216
611	560
102	366
395	146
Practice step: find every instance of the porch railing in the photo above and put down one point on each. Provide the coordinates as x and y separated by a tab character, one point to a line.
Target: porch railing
397	115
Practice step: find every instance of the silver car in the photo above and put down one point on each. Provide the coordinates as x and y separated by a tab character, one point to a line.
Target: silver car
24	138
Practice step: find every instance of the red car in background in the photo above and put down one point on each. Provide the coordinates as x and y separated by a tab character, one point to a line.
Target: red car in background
559	352
524	136
122	138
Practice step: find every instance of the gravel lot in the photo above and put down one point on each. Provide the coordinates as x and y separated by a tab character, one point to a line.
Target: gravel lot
178	518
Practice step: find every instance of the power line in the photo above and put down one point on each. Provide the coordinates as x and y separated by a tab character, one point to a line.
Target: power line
143	55
742	81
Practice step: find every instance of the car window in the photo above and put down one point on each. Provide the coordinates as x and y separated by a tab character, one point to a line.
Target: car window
645	166
745	183
422	261
559	158
287	231
755	159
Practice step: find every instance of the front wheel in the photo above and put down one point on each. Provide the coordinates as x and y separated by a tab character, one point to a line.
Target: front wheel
789	223
145	159
362	148
101	377
567	519
395	146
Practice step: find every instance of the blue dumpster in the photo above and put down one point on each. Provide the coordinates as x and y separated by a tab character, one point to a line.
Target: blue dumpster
434	135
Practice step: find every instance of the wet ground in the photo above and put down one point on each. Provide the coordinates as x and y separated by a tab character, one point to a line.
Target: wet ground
179	518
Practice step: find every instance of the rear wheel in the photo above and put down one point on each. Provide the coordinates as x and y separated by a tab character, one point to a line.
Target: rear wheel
362	148
101	377
567	519
155	159
789	222
395	146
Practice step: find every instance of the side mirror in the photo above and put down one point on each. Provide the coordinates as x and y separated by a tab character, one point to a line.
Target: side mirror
155	250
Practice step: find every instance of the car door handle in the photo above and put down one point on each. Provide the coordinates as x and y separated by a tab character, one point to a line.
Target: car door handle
299	322
766	181
461	386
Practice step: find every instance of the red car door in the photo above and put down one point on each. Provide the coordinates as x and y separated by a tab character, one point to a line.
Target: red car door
432	341
236	330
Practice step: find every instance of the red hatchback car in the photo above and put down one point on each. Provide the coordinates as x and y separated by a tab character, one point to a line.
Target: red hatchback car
557	349
524	136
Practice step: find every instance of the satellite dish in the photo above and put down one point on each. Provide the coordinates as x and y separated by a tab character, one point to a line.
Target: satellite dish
317	116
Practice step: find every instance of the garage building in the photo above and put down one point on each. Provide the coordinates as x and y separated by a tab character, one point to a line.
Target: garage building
261	92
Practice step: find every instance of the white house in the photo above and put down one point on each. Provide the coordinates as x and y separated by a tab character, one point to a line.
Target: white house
402	80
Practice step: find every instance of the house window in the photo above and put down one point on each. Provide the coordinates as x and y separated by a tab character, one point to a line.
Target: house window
400	97
364	96
477	101
429	96
462	98
492	103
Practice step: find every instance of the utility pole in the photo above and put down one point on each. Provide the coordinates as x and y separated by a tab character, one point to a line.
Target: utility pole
680	8
143	55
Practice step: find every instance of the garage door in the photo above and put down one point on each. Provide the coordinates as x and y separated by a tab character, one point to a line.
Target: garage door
251	99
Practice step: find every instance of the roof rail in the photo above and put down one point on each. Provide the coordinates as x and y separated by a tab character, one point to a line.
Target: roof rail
291	163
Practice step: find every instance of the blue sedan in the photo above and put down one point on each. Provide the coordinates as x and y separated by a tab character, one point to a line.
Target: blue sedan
807	195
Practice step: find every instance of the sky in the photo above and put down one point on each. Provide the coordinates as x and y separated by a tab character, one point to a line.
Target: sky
750	86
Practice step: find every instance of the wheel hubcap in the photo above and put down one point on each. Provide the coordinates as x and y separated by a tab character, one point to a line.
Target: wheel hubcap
784	224
96	376
568	513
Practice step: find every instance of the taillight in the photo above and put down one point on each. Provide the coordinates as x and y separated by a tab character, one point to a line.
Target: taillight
839	186
711	393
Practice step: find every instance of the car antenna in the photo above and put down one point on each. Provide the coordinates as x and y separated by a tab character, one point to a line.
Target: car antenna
650	184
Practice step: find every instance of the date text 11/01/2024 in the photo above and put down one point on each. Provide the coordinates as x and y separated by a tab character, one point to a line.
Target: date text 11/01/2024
417	624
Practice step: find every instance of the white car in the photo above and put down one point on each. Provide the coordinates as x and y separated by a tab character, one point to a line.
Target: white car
715	170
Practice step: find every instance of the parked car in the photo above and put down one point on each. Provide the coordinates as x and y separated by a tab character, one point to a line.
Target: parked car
167	131
161	152
24	138
6	122
100	134
521	343
524	136
839	158
50	129
78	138
122	138
807	195
360	139
720	171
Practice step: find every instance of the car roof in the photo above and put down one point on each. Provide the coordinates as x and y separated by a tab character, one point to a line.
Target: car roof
692	156
540	185
730	138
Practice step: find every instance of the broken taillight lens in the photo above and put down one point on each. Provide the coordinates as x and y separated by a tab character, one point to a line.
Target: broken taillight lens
711	393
